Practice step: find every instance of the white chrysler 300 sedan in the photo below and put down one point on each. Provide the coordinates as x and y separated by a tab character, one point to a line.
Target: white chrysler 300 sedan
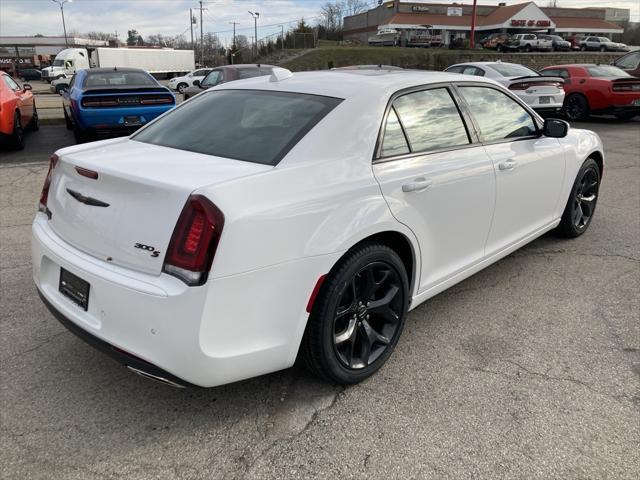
299	215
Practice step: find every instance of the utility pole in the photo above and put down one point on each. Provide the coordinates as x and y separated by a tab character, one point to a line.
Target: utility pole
64	26
281	37
234	33
191	26
201	37
116	38
255	16
473	26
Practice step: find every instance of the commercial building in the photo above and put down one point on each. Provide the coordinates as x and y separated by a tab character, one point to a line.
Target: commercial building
38	51
453	21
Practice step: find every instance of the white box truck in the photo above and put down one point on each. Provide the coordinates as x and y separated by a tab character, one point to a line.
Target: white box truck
157	61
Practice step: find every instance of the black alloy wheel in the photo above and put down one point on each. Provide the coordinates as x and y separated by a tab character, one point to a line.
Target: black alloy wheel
368	315
576	107
582	202
182	87
358	315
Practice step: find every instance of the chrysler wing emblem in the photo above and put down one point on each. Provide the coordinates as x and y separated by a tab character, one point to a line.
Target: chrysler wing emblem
86	200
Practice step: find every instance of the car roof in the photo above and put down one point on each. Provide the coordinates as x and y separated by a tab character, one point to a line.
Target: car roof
579	65
488	64
348	83
241	66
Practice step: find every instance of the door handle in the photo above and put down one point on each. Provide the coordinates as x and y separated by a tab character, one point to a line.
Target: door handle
419	184
508	165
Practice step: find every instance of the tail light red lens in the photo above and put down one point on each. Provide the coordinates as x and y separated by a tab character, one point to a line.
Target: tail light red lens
99	102
525	86
44	196
194	241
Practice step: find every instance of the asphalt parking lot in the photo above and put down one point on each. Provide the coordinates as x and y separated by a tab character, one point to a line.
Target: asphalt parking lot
529	369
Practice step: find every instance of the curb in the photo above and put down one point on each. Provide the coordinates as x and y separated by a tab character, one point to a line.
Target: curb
51	121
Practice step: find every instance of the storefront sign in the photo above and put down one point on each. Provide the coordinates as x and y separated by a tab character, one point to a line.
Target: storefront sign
454	11
419	8
530	23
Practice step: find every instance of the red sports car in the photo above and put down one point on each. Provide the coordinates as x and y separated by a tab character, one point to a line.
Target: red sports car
17	110
597	89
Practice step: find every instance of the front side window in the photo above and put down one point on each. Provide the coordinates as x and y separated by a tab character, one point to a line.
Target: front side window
256	126
498	115
473	71
212	79
11	83
629	62
431	120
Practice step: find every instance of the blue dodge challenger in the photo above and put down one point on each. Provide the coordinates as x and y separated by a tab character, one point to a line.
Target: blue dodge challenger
113	101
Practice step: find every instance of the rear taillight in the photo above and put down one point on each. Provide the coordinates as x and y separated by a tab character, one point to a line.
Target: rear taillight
525	86
626	87
99	102
44	196
156	101
194	241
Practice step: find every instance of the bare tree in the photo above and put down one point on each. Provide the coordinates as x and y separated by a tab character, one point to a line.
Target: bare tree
353	7
331	14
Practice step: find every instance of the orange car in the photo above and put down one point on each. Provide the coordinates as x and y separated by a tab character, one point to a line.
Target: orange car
17	110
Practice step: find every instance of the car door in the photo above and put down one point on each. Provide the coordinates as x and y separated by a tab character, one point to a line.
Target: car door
529	167
437	180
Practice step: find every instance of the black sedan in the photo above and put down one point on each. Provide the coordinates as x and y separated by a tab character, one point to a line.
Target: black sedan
29	74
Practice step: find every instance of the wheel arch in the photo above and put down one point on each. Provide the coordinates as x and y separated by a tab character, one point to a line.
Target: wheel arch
599	159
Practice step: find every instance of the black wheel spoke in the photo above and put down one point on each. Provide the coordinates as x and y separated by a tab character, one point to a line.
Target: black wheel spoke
384	301
368	285
373	335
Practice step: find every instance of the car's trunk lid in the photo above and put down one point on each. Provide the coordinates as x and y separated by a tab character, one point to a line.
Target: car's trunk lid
127	215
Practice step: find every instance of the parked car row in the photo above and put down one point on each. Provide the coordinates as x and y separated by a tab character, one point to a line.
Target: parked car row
529	42
577	90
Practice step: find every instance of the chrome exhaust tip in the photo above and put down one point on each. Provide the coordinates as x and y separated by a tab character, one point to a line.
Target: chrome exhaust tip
154	378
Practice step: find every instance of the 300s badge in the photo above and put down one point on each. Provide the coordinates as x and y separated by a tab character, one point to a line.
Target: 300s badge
148	248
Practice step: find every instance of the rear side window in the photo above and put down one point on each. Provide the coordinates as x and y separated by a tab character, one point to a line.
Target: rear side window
499	116
431	120
606	71
251	125
252	72
513	70
393	142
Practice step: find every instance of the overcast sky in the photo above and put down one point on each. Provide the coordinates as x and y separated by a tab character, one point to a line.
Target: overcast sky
171	17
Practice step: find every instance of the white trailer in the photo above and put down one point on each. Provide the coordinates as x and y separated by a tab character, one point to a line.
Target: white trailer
152	60
157	61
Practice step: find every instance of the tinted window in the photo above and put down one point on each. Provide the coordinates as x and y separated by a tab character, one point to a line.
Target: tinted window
212	79
604	39
116	78
629	62
468	70
431	120
606	71
11	83
456	69
498	116
513	70
556	72
393	141
252	125
252	72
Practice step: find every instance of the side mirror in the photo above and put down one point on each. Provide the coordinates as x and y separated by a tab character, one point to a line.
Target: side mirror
26	87
196	83
555	128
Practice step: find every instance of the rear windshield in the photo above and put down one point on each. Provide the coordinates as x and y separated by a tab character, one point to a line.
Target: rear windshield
115	78
513	70
251	125
606	71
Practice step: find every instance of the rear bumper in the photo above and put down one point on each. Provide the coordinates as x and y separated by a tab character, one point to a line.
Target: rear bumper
115	118
229	329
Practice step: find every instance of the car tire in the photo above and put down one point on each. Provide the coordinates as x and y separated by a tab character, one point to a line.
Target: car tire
603	49
583	48
582	201
527	48
34	125
182	87
17	134
67	120
576	107
358	315
499	48
60	88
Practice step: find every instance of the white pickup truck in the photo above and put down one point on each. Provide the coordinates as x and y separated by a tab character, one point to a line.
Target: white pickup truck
529	42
